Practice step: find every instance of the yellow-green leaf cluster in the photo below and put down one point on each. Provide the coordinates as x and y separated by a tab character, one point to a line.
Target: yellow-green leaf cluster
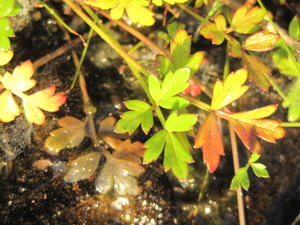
136	10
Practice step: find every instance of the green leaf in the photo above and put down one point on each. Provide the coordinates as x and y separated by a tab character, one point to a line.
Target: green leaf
175	83
174	103
173	27
245	20
176	156
234	47
5	28
259	170
141	115
293	102
180	53
294	28
154	87
6	6
254	157
4	42
230	90
155	146
135	9
260	41
240	179
210	31
284	62
257	71
180	123
164	65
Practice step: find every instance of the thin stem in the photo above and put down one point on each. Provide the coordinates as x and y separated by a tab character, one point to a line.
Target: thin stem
192	13
290	124
83	54
135	33
60	20
226	68
277	88
203	185
236	164
196	102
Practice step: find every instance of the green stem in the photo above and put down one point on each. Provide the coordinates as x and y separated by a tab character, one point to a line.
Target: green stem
192	13
290	124
60	20
277	88
226	68
83	54
203	185
196	102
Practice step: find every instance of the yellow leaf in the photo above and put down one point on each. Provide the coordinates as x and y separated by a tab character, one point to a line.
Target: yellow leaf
230	90
261	41
8	107
44	99
5	56
139	14
220	22
245	20
171	2
255	113
20	80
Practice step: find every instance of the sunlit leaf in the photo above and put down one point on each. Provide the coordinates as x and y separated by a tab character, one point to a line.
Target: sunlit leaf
70	135
284	62
210	31
260	41
240	179
20	80
180	123
82	167
176	156
231	89
174	103
45	99
8	107
141	114
259	170
220	22
234	47
135	9
5	56
257	71
294	28
172	2
180	53
154	87
293	101
210	139
254	157
155	146
257	113
245	20
6	7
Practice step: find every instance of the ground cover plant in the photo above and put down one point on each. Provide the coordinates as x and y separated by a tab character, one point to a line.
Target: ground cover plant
178	114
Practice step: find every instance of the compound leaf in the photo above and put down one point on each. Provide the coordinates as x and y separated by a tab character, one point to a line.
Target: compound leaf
211	31
70	134
210	139
45	99
231	89
141	115
9	108
257	71
83	167
293	102
180	123
20	80
240	179
259	170
155	146
245	20
260	41
135	9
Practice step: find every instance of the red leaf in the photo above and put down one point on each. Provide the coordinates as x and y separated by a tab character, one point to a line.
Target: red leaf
210	139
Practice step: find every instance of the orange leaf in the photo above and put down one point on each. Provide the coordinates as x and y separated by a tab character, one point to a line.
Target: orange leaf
210	139
250	124
8	107
44	99
20	80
